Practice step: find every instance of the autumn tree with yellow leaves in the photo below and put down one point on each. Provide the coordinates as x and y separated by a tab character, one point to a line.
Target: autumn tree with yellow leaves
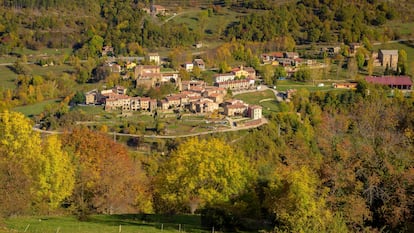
201	172
34	175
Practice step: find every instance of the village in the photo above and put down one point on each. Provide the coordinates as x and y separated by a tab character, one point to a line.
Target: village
194	96
198	97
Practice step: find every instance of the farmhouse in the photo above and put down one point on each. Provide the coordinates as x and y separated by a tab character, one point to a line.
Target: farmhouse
270	57
199	63
388	58
246	72
254	112
154	57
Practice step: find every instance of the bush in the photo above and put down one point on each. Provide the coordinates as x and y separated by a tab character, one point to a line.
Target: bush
219	217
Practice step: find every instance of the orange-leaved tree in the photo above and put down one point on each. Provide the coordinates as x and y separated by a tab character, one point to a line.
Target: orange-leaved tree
108	180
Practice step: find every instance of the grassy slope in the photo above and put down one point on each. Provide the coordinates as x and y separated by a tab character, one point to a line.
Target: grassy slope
212	24
254	98
34	109
7	78
106	223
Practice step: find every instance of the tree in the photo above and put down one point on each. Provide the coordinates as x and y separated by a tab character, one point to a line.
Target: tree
224	67
370	66
303	74
268	74
31	175
78	98
360	58
201	172
107	180
352	67
196	72
21	68
57	173
402	62
293	197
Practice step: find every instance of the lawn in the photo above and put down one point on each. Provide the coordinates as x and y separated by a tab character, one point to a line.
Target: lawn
269	105
7	78
106	223
34	109
255	97
55	70
283	85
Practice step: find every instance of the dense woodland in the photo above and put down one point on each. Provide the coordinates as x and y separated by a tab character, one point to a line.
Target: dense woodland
124	25
325	162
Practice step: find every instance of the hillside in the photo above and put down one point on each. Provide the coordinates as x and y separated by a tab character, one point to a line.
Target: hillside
125	24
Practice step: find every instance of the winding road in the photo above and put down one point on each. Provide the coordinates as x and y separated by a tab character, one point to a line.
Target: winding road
235	128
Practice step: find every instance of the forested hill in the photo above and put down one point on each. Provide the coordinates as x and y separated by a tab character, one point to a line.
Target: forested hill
37	24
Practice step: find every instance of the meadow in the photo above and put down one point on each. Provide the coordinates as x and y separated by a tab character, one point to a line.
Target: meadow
34	109
106	223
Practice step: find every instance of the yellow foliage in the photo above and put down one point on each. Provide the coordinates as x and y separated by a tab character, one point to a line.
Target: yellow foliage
204	170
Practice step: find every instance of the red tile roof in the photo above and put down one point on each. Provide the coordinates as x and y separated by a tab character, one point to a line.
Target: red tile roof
390	80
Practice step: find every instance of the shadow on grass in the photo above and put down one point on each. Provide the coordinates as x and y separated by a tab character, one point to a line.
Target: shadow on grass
188	223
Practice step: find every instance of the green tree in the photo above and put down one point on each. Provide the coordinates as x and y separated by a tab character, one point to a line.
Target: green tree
402	62
268	73
201	172
298	205
303	74
360	58
78	98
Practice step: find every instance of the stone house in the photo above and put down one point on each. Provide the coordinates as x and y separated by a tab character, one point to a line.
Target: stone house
154	57
388	58
218	78
199	63
254	112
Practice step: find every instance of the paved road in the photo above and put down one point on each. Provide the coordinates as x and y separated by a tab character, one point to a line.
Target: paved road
392	41
262	122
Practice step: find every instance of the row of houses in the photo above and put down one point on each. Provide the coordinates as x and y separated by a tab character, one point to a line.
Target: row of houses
285	59
197	97
240	78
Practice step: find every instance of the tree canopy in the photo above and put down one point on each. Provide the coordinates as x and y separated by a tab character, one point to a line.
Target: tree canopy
202	171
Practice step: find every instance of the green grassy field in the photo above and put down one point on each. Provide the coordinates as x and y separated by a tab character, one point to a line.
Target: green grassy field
270	105
213	25
34	109
404	29
55	70
42	52
255	97
106	223
283	85
7	78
